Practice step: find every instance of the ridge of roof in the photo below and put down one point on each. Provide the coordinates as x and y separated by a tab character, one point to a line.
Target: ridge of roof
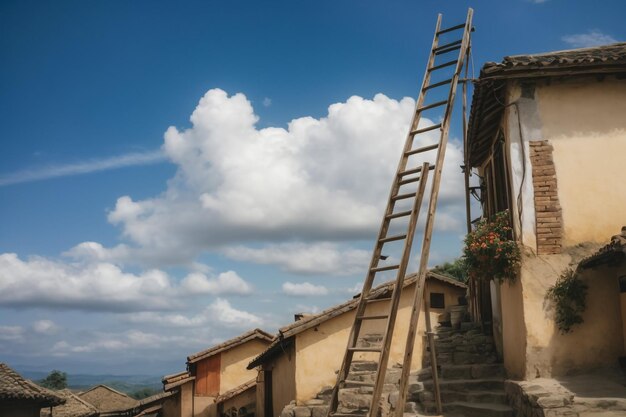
236	391
14	386
231	343
610	55
124	401
308	322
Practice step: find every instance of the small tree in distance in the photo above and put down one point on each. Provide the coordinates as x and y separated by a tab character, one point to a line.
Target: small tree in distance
55	380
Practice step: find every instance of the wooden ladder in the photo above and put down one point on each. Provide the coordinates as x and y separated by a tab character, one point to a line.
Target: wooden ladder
406	174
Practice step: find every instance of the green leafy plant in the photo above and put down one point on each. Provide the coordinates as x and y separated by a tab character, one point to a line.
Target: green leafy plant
569	295
490	252
55	380
454	269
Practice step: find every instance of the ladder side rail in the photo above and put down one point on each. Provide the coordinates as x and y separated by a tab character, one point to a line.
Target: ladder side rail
397	292
354	333
423	267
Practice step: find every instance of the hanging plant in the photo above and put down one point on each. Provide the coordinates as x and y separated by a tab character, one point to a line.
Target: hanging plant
569	295
489	251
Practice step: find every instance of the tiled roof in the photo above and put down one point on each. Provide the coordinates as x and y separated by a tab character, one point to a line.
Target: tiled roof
308	322
598	57
229	344
176	380
488	101
14	387
612	253
74	407
106	399
236	391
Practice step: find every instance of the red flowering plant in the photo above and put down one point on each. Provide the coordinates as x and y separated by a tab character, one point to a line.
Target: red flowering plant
489	251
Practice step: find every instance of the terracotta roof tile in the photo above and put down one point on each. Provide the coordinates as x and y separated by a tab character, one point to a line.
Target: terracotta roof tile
229	344
14	387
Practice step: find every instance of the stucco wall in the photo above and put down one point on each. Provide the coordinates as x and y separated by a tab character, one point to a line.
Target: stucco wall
321	349
595	343
204	407
234	362
583	121
283	380
186	399
586	125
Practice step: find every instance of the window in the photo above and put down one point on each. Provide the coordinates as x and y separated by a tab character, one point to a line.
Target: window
437	300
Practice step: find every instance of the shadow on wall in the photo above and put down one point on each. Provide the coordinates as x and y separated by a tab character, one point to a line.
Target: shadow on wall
598	342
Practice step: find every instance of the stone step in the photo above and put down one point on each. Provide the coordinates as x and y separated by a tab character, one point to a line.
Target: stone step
472	371
468	384
482	396
467	409
461	358
358	366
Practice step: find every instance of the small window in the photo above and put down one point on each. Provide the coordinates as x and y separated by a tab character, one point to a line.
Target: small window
622	284
437	300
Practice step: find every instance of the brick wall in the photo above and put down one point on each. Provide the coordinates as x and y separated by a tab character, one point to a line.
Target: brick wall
549	222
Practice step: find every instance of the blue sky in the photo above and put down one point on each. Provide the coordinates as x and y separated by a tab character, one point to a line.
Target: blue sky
132	236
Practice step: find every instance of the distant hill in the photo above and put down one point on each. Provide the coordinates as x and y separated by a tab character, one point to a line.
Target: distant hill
125	383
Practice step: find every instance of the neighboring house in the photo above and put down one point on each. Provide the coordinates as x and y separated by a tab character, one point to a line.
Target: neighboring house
238	402
109	402
74	407
155	405
22	398
305	356
181	403
547	135
223	368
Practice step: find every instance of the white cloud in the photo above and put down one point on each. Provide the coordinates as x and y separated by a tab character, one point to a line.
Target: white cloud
219	313
85	167
11	333
267	102
304	258
117	342
225	283
318	180
304	289
47	327
40	282
593	37
229	316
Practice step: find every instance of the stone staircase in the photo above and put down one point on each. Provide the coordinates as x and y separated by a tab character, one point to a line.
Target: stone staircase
470	378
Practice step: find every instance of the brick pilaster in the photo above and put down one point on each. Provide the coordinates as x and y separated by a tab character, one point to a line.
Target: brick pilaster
548	218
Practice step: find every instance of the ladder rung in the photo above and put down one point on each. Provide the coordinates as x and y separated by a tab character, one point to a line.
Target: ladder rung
403	196
385	268
409	180
428	87
378	317
410	172
430	106
364	349
426	129
450	29
445	64
399	214
450	49
448	45
422	149
392	238
359	383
